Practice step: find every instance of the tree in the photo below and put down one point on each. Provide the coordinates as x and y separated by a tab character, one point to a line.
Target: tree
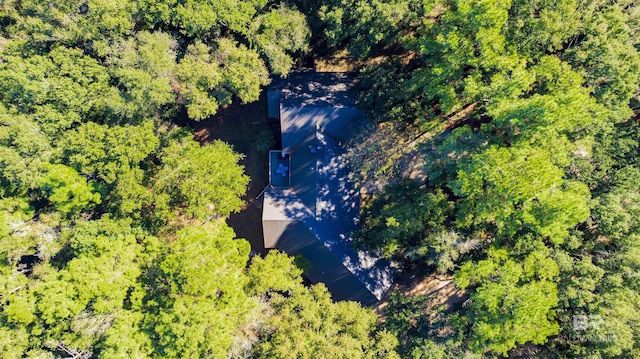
425	328
60	89
277	33
513	300
309	325
67	190
361	26
112	156
543	27
204	180
192	312
275	272
145	66
524	109
24	150
400	219
71	302
515	187
160	54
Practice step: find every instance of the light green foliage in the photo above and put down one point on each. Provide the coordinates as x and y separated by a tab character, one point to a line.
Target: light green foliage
519	186
124	339
75	305
245	72
559	105
199	73
596	37
105	152
609	57
198	17
145	67
464	48
605	283
91	167
154	52
200	293
617	211
513	301
67	190
13	342
112	156
68	21
203	180
541	26
230	69
303	322
277	33
13	211
59	89
275	272
309	325
24	149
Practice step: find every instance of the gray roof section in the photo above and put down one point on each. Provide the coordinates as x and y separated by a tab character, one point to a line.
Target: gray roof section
298	123
282	204
297	239
307	88
349	275
317	215
327	205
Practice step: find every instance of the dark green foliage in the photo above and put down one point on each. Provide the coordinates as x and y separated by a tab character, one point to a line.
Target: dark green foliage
264	140
111	245
538	156
402	218
424	328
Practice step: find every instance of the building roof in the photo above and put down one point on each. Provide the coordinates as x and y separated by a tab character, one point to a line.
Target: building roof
316	216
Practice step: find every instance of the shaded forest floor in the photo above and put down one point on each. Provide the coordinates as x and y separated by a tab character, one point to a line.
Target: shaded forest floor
238	125
411	284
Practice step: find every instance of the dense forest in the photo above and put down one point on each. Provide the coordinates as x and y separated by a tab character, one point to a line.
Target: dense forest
521	117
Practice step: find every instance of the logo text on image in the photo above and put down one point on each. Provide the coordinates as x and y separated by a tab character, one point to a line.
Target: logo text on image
586	322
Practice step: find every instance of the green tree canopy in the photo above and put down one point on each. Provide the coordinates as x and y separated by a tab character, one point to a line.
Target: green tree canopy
513	301
203	180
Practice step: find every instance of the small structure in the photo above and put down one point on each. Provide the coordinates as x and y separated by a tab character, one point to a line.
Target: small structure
314	214
279	165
